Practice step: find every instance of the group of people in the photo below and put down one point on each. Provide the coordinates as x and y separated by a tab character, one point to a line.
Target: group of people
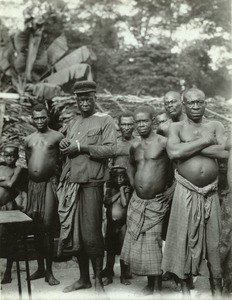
156	184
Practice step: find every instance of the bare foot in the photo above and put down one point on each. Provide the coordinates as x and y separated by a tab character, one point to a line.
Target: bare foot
50	279
38	274
99	286
77	285
167	276
6	279
128	275
108	281
99	290
106	273
125	281
147	290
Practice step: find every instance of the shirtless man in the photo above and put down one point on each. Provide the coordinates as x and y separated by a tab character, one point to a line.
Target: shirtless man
42	154
9	175
147	169
173	107
126	125
192	243
225	196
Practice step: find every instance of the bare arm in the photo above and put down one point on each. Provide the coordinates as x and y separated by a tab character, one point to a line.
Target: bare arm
109	199
27	150
178	150
163	129
217	151
131	167
125	195
10	182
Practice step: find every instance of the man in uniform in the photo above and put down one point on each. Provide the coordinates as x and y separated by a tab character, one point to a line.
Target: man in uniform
147	169
42	155
90	141
192	242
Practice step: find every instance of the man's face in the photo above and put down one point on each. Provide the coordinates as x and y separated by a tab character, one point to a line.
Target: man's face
40	119
86	102
126	127
162	118
195	105
144	123
173	105
10	156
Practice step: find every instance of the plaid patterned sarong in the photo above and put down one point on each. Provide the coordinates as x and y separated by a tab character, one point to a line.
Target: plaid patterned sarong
192	242
142	247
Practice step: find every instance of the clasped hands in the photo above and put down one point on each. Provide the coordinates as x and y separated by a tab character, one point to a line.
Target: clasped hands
68	147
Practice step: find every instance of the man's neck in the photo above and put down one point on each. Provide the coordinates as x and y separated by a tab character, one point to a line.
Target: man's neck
45	130
127	139
86	115
178	118
149	136
195	122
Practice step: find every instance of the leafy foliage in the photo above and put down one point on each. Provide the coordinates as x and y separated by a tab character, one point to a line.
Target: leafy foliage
147	65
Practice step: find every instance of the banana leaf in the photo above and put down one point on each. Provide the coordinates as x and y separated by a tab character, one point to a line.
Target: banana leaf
44	90
31	54
57	49
81	55
76	72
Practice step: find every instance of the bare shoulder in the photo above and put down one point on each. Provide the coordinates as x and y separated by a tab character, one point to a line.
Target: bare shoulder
177	125
134	144
215	124
57	135
29	137
162	140
163	128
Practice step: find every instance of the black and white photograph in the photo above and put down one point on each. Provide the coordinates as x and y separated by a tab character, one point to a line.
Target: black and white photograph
115	149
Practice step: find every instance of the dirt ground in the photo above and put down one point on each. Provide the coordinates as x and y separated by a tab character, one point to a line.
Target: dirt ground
67	273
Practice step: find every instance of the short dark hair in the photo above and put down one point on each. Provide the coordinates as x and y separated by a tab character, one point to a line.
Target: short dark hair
125	114
190	91
12	145
39	107
145	109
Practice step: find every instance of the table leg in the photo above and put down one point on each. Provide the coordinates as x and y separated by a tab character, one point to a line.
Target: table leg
19	279
27	267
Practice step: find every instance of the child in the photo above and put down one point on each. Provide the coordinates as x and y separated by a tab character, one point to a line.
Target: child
118	194
9	174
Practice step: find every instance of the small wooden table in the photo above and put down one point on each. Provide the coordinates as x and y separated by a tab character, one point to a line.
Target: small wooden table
14	218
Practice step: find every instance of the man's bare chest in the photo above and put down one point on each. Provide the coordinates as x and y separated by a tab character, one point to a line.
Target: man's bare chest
151	151
41	142
190	132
